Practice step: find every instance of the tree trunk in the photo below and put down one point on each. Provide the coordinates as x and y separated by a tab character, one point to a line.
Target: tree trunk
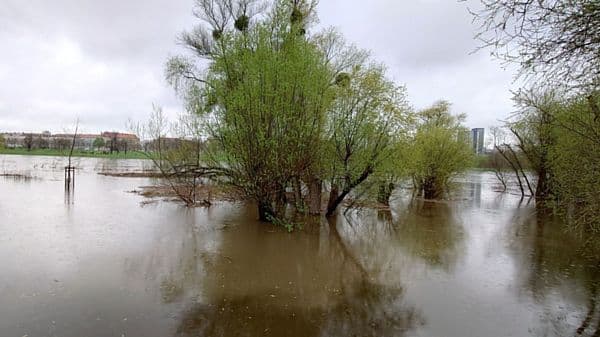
315	187
590	314
523	173
335	202
594	107
280	200
298	200
335	199
429	189
385	193
543	189
265	211
333	196
515	169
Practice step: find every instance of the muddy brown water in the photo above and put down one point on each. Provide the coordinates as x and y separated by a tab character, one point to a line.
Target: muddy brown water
101	263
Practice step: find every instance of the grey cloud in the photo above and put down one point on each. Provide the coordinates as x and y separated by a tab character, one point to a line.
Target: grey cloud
414	33
104	60
105	29
428	45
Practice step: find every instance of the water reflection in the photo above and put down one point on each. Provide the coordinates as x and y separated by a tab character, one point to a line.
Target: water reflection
482	264
475	187
266	281
430	231
550	267
69	195
366	310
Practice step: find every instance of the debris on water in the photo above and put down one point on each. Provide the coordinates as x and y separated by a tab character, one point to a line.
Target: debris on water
143	174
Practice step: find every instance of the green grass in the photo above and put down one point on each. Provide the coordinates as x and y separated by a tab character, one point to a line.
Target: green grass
76	153
481	161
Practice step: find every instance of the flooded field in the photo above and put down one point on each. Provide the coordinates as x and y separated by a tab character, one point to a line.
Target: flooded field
100	262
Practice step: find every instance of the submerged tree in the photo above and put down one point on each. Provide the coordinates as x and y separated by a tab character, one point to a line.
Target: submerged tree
364	123
440	149
497	161
556	44
575	162
395	168
177	158
263	98
283	109
532	127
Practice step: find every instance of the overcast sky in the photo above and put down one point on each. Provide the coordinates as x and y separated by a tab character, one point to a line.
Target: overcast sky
103	61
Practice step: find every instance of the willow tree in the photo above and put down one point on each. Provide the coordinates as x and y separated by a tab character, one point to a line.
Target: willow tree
368	113
555	43
575	162
533	129
440	149
395	168
263	95
283	108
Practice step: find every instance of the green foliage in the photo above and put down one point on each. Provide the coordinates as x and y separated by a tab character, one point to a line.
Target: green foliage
439	149
263	101
99	142
285	110
2	141
575	160
365	123
394	168
558	139
533	129
287	224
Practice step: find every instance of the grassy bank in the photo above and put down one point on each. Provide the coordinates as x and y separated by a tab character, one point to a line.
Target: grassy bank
76	153
482	162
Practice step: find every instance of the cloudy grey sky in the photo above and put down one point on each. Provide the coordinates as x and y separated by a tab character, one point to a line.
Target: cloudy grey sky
103	61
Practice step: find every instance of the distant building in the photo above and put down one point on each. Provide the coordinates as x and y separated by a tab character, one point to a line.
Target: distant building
477	139
83	142
114	140
117	141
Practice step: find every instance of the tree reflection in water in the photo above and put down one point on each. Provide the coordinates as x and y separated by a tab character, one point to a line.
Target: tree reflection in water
548	264
429	230
367	310
310	283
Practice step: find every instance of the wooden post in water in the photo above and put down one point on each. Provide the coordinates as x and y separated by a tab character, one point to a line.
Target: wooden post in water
69	177
70	169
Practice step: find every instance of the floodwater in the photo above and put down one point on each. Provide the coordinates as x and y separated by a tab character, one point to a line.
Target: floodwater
100	262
